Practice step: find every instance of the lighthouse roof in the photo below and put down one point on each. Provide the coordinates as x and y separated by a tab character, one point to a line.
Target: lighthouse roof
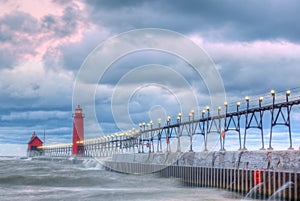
34	137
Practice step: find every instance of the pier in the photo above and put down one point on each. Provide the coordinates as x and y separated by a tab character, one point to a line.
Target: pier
264	173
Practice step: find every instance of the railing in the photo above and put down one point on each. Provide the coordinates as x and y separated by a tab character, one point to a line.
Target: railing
148	138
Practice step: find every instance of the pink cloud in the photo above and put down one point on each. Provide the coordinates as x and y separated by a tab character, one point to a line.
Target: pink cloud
32	29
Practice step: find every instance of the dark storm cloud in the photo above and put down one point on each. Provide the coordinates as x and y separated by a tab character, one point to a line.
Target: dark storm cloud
226	20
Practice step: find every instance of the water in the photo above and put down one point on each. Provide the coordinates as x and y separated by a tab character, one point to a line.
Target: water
286	185
250	193
62	180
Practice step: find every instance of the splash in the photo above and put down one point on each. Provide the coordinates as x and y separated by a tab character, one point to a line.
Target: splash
252	190
286	185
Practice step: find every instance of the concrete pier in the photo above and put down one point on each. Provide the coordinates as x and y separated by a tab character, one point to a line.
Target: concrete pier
260	174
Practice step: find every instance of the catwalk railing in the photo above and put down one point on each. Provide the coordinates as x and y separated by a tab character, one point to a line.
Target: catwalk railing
147	138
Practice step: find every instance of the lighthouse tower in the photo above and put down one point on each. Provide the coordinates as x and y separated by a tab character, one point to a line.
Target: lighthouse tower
78	131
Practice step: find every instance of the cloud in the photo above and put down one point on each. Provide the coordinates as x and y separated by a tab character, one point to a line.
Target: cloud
15	37
74	53
32	86
35	115
254	44
24	37
229	20
255	67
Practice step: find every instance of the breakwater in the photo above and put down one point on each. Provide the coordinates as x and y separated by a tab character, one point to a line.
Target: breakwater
256	174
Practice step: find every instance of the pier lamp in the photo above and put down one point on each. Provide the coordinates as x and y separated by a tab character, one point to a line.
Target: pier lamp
273	95
260	100
238	104
208	109
169	119
203	113
247	100
226	107
219	110
179	118
144	125
272	92
158	122
192	114
151	124
287	94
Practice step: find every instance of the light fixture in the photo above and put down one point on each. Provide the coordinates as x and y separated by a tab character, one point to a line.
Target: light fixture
272	92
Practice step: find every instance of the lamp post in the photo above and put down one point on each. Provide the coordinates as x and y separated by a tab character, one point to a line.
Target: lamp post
178	132
272	119
207	128
238	104
260	126
193	114
225	124
159	145
246	122
142	136
288	108
287	94
151	148
168	133
260	100
139	138
203	124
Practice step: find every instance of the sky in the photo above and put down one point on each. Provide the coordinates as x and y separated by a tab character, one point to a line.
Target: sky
45	46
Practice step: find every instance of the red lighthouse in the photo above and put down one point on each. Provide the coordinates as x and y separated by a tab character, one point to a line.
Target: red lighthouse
33	145
78	131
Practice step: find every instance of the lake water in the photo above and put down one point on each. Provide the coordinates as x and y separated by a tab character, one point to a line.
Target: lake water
24	179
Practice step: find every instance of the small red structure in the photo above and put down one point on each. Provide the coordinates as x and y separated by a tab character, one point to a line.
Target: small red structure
34	142
78	131
257	177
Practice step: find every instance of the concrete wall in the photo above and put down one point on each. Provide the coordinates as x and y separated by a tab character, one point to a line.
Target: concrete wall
277	160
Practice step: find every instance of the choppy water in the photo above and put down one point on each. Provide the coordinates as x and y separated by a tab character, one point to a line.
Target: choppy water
52	180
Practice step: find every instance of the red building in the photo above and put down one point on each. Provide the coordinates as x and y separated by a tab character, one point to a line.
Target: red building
34	142
33	145
78	131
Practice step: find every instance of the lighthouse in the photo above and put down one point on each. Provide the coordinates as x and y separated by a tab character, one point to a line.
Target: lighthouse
78	131
33	146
